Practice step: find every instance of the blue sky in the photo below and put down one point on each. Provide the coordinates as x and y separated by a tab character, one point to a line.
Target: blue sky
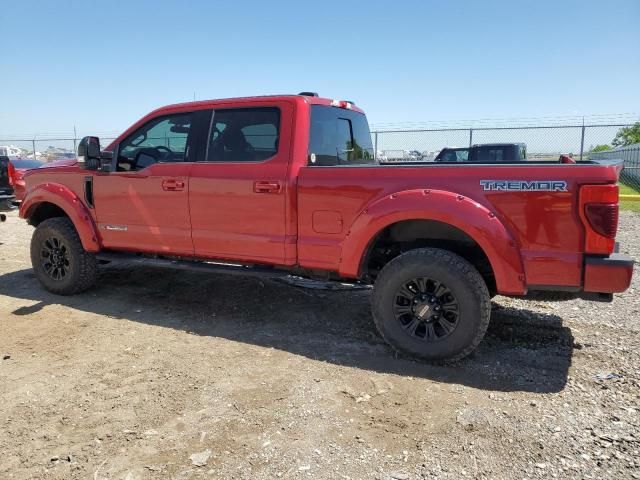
100	66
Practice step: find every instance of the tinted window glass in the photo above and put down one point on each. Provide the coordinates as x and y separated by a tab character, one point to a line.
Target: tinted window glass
449	156
244	135
339	136
462	155
162	140
490	154
453	155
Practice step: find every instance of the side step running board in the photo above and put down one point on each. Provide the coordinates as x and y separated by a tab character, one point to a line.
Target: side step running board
193	265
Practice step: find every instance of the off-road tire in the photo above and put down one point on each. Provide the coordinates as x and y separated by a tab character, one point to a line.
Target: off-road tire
460	277
82	266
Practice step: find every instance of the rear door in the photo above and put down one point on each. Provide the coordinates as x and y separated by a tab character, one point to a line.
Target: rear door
238	194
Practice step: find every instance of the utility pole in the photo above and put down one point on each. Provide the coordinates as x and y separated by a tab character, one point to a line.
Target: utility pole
75	136
582	140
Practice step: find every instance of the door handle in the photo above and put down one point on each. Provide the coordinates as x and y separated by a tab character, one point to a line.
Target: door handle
266	187
172	185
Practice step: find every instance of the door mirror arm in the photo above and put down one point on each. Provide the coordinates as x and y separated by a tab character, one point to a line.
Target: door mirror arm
106	159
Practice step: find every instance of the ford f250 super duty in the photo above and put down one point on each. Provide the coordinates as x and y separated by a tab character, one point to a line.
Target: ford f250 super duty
288	184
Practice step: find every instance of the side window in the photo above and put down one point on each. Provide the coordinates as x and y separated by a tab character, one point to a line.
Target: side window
164	139
523	152
462	155
449	156
339	137
244	134
490	154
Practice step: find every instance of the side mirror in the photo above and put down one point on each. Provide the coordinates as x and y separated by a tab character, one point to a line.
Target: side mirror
89	153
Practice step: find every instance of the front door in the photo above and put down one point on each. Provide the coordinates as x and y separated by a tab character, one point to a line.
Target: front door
143	204
238	194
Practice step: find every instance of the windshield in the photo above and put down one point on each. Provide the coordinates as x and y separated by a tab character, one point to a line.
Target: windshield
22	163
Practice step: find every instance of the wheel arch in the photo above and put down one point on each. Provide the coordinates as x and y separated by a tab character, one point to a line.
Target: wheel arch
55	200
458	219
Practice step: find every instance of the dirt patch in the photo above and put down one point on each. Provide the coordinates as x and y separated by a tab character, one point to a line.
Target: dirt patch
161	374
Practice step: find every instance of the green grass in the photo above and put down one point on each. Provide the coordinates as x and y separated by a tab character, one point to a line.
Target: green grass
628	205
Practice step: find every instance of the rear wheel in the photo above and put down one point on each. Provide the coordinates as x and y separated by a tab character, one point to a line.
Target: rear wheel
59	261
431	303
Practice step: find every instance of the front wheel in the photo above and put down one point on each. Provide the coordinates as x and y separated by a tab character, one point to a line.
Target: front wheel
432	304
59	261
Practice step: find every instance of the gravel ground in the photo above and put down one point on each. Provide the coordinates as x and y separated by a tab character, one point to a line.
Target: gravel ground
159	374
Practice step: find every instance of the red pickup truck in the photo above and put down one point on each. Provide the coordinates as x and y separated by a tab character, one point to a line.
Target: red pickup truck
287	184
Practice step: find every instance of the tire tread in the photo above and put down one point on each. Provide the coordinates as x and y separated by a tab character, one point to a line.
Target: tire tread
456	263
88	266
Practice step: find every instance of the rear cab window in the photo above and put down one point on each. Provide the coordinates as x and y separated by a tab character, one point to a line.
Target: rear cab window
339	137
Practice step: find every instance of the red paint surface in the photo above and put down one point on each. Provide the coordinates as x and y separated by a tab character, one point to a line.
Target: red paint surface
607	278
68	200
326	217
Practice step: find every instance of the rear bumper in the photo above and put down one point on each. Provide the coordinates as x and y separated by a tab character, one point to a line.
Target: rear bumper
610	274
603	276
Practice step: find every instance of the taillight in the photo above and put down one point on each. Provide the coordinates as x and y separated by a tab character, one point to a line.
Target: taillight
599	214
11	172
603	218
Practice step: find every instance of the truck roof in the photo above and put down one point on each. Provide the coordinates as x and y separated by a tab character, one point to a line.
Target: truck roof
498	144
304	96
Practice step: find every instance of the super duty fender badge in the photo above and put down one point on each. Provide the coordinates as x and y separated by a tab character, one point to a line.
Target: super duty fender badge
524	185
116	228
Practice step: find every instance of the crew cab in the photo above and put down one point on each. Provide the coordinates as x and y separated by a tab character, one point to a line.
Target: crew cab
287	184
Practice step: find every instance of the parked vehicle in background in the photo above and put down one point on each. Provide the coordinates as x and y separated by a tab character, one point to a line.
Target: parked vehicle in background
9	151
55	156
400	156
6	190
16	170
429	156
288	184
393	156
453	154
12	170
415	155
485	153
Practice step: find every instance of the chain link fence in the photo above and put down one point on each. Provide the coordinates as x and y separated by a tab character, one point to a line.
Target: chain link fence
631	156
543	142
46	149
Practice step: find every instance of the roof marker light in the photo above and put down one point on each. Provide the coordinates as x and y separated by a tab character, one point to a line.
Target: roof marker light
341	104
